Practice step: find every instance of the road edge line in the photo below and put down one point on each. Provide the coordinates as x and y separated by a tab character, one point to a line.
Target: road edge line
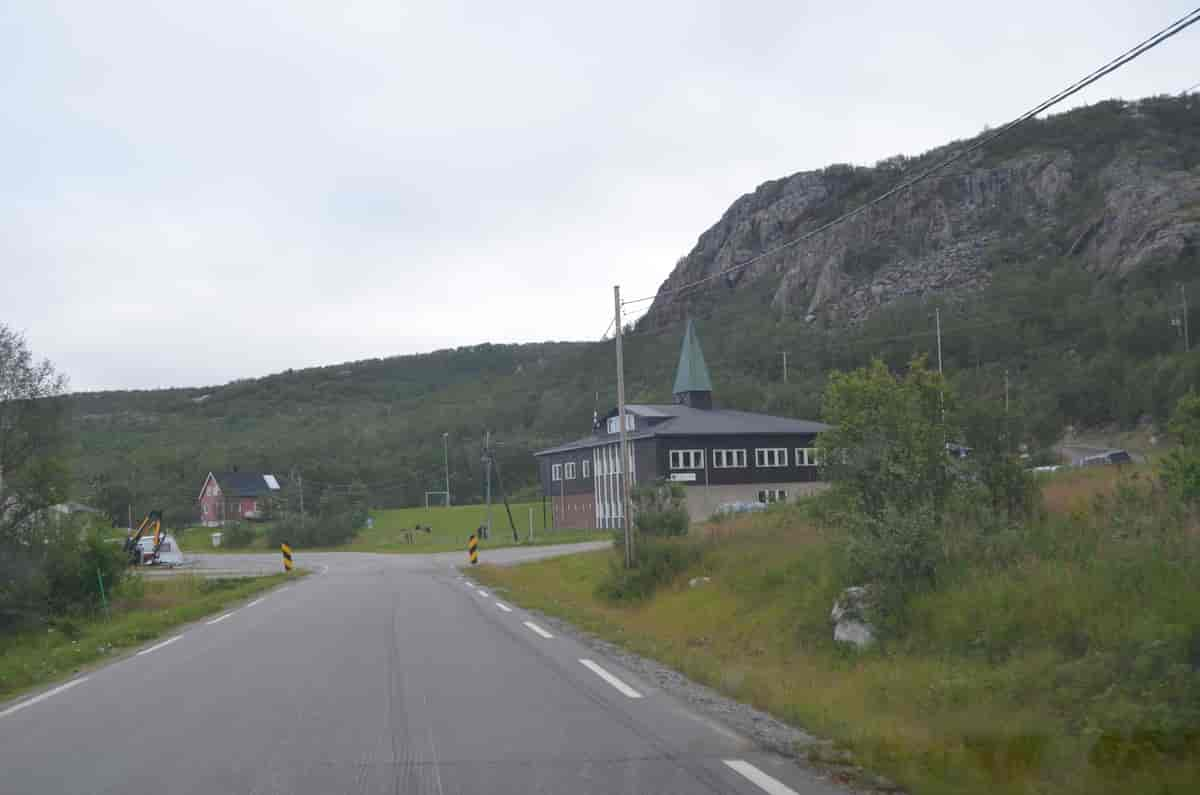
620	686
43	696
766	783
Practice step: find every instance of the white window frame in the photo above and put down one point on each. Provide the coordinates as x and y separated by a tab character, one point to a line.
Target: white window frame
807	457
687	459
556	472
587	468
569	470
614	423
777	455
768	496
729	459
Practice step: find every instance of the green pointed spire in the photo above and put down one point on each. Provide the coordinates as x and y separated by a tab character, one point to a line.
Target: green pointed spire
692	374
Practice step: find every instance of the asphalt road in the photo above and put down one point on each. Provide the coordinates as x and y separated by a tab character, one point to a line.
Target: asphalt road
378	674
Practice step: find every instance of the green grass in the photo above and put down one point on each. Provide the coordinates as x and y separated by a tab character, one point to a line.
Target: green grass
1065	665
450	530
142	610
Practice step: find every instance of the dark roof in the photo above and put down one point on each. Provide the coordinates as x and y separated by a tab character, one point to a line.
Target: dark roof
687	421
243	484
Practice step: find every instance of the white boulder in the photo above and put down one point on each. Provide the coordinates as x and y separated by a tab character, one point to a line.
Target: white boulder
849	617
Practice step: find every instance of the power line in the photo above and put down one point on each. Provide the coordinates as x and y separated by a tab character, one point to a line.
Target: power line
1183	23
840	336
1189	89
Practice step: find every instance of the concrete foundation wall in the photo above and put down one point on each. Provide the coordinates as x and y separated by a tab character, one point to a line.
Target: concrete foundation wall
702	501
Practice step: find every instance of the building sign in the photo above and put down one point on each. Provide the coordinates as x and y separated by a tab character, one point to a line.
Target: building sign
683	477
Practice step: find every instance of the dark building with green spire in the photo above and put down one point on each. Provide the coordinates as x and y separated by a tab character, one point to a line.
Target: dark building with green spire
721	456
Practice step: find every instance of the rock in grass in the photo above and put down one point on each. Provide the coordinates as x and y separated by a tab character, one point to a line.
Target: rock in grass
692	583
849	617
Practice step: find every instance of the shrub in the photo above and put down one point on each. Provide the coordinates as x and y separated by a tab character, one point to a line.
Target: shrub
237	536
887	446
898	553
1180	473
313	531
661	510
659	562
1180	470
73	568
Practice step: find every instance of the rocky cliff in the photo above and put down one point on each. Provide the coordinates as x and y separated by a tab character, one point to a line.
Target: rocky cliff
1114	187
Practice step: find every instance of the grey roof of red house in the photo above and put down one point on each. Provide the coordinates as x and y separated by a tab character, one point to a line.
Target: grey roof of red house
243	484
687	421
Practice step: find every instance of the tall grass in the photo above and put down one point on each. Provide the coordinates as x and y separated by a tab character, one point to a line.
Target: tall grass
1061	655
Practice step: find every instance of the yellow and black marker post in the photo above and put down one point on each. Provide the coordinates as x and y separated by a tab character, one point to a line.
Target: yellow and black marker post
473	549
287	556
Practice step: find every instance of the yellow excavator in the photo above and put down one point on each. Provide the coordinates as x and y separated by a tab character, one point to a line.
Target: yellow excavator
150	544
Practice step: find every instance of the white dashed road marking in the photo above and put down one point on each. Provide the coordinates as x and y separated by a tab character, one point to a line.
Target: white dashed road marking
482	592
252	604
538	629
158	646
764	782
612	680
219	619
504	607
43	696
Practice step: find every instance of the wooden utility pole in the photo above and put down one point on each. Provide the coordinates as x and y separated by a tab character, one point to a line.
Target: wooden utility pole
1187	341
487	464
937	314
623	466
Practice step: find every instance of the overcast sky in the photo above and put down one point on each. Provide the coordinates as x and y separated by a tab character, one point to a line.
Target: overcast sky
192	192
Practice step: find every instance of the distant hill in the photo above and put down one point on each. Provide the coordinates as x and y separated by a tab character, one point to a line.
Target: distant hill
378	421
1111	190
1055	256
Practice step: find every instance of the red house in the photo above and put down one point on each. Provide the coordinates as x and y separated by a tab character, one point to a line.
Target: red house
232	496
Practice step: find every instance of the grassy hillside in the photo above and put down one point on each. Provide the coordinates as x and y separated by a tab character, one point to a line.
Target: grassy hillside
1077	344
1060	657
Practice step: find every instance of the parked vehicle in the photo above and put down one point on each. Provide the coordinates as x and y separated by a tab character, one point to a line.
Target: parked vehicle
1107	457
150	545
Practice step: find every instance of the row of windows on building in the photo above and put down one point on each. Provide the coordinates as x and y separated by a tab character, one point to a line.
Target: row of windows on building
568	470
764	458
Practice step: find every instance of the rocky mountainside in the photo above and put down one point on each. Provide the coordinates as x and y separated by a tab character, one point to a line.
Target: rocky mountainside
1113	187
